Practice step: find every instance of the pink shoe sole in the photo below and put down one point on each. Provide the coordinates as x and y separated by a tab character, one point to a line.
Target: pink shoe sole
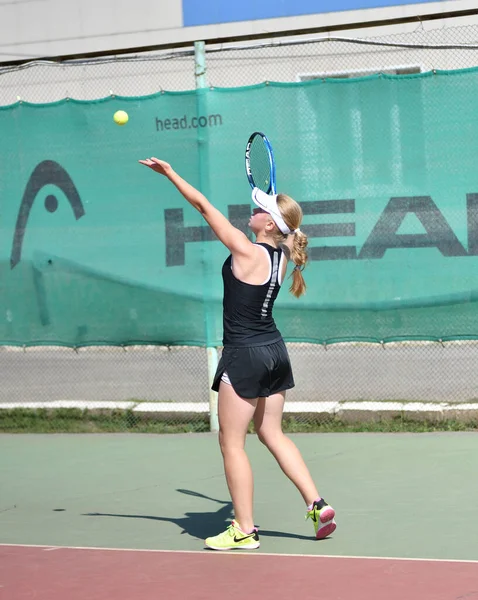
327	514
326	530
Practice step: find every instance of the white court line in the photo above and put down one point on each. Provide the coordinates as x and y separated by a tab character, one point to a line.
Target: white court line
216	553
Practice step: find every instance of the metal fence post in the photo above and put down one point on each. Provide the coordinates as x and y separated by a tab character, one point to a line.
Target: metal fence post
212	356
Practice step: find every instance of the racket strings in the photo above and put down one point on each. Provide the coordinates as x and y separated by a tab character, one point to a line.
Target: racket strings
260	164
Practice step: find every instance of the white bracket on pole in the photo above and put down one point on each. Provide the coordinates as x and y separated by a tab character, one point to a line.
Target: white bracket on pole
200	62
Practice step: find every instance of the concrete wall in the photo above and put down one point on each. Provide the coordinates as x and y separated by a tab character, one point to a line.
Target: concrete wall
42	28
235	65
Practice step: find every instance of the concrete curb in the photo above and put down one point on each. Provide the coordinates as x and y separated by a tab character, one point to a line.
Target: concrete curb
350	412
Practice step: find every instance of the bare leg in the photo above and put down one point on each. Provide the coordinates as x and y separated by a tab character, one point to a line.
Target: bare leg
235	414
268	425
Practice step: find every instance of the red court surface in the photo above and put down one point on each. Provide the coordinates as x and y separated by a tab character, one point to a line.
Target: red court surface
48	573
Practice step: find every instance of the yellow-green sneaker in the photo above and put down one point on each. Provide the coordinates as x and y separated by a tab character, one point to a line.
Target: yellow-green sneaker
234	538
323	517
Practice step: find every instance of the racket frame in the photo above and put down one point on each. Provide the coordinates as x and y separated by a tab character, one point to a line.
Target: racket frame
272	165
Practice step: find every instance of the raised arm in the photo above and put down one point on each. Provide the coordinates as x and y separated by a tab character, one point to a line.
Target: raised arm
230	236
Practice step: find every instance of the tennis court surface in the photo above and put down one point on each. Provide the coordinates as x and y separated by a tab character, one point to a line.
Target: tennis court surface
124	517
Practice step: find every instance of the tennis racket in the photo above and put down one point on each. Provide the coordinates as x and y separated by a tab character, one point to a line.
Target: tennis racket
260	164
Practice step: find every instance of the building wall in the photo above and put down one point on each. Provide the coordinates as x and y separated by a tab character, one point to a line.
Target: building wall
42	28
236	64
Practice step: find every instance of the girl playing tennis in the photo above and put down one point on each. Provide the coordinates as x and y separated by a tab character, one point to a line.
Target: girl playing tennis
254	371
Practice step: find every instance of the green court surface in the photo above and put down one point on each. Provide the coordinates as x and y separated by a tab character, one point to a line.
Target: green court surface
396	495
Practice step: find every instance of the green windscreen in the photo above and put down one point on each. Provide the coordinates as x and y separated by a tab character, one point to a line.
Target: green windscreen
97	249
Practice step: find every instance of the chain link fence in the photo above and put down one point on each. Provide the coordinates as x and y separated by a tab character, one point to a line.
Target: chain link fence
148	388
235	65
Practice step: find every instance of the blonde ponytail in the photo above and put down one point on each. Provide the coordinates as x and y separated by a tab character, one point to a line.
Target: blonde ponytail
298	256
292	214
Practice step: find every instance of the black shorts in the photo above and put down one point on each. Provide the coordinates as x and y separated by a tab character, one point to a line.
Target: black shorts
256	371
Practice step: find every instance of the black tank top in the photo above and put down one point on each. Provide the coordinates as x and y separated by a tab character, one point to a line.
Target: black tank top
247	316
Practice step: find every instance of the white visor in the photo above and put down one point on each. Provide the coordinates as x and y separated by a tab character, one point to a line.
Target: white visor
269	204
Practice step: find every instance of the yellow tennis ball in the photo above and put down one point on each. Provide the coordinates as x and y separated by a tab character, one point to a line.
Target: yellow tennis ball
120	117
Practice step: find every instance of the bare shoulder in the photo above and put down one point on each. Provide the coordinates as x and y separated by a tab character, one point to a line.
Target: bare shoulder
252	267
250	252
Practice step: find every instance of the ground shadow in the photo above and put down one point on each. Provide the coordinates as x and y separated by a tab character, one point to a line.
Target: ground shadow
202	524
196	524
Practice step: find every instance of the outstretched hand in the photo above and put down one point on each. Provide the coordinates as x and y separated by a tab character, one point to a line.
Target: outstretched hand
160	166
